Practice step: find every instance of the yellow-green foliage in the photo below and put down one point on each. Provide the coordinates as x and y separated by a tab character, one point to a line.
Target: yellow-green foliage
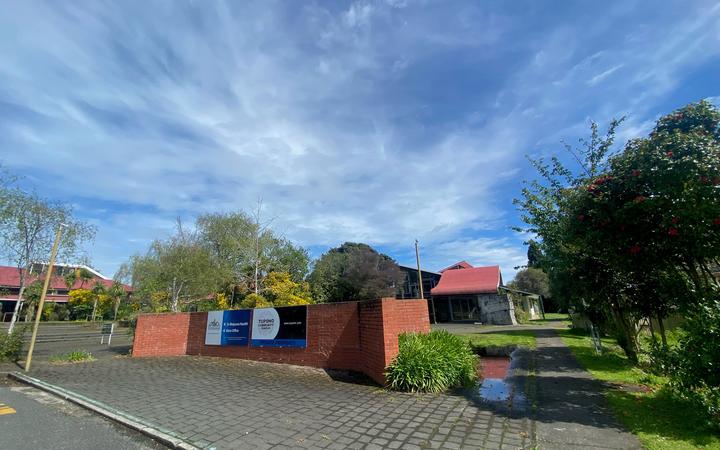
160	302
283	291
255	301
222	301
84	300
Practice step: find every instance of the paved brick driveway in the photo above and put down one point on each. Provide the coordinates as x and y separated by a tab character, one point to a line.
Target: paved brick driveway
228	404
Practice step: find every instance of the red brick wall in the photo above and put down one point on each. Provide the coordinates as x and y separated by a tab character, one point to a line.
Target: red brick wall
332	340
347	336
161	335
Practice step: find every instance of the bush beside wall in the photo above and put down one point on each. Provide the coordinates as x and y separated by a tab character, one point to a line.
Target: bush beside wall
432	362
11	344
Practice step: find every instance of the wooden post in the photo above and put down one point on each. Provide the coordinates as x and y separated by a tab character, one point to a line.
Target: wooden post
53	253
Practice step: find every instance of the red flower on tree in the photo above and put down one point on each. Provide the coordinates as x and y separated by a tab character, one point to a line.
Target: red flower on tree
674	220
635	249
639	199
636	173
717	221
669	154
673	231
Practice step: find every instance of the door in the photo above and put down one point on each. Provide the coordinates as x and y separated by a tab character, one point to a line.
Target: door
464	308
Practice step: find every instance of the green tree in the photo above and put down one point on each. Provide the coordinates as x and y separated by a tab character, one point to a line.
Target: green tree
577	272
354	272
33	292
532	280
534	255
176	272
654	216
117	293
28	224
250	250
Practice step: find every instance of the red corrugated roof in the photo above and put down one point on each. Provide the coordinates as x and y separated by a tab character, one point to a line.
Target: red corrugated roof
475	280
458	265
10	277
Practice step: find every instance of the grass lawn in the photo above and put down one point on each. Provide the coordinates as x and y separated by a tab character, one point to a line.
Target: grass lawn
659	420
522	338
554	318
76	356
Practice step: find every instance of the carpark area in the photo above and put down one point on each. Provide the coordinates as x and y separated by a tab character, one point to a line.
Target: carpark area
232	403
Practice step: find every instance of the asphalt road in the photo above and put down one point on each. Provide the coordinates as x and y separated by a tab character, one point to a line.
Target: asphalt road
41	420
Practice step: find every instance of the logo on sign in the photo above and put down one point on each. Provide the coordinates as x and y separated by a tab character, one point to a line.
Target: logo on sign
214	324
267	323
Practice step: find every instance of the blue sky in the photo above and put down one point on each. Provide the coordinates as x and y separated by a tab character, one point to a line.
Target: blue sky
378	122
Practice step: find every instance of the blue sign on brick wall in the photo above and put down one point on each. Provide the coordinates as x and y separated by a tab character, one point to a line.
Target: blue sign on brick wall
228	327
280	327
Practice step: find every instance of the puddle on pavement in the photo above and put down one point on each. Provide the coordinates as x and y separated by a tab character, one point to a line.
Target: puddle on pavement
496	385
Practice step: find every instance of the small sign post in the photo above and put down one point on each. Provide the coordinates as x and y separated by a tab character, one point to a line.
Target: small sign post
107	330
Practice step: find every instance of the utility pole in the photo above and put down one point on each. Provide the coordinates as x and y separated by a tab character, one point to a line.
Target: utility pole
417	258
420	282
53	253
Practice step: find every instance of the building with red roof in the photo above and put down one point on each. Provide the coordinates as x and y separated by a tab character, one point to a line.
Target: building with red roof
458	265
472	294
58	291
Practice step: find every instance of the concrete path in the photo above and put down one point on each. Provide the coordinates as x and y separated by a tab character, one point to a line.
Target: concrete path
571	408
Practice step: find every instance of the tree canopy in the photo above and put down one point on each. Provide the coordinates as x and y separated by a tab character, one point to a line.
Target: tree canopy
354	272
232	254
632	234
532	280
28	223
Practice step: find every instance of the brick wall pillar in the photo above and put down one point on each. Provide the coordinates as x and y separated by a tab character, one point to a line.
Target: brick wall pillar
381	322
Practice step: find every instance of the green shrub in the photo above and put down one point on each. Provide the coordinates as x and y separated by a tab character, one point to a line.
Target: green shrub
693	365
432	362
11	344
73	357
254	300
521	315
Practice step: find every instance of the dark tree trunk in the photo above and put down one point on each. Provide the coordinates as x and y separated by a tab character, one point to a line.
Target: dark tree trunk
625	334
652	329
662	330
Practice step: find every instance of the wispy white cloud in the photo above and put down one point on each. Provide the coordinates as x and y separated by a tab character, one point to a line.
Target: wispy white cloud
601	76
366	121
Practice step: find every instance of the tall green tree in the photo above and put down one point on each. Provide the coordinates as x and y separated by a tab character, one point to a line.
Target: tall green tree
578	275
28	224
354	272
532	280
638	232
176	271
250	250
534	255
654	216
